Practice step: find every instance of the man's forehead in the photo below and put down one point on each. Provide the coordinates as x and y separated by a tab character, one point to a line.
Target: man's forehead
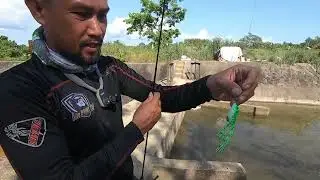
100	4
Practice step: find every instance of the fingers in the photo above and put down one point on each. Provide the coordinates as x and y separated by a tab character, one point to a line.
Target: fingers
251	75
247	94
157	102
232	88
154	98
248	78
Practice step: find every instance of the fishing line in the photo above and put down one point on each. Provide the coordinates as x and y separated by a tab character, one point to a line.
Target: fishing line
254	7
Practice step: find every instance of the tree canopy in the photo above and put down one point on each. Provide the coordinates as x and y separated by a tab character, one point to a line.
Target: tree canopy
147	22
10	49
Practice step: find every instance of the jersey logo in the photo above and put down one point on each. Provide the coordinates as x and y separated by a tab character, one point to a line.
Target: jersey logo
78	105
30	132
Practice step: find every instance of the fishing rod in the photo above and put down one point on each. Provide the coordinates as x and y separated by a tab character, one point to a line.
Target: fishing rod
224	135
164	7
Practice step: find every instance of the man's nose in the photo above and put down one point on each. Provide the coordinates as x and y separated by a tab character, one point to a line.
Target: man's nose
95	28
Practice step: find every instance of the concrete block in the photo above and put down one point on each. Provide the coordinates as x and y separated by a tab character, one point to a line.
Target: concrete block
173	169
160	140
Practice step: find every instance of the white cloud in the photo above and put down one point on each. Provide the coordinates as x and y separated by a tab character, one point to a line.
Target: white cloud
117	27
202	34
12	14
117	30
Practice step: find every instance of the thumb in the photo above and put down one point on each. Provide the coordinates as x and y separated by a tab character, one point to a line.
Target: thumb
149	98
156	95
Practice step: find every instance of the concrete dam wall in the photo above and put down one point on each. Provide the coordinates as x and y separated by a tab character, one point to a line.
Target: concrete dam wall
291	84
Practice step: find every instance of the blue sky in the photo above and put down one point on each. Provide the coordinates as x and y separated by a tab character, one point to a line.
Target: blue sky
276	21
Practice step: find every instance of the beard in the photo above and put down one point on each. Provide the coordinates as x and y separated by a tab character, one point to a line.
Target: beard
81	60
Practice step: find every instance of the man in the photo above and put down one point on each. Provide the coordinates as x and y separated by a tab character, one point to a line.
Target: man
61	115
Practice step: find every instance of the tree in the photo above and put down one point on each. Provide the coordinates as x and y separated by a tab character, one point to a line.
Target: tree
147	21
315	42
308	41
251	40
10	49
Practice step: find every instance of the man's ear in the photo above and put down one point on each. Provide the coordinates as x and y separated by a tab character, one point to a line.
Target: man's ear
36	8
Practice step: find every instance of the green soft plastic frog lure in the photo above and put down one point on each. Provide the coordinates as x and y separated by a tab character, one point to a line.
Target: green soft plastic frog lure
225	134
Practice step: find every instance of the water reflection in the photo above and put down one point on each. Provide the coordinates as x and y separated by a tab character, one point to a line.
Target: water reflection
285	145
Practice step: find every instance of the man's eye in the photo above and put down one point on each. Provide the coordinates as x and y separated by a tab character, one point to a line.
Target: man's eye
102	16
83	15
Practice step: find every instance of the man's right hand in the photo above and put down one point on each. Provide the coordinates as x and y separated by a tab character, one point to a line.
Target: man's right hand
148	113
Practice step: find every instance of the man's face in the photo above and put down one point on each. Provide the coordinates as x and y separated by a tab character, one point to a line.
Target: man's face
76	28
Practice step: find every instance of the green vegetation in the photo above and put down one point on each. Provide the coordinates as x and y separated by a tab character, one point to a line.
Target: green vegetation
147	22
285	53
10	50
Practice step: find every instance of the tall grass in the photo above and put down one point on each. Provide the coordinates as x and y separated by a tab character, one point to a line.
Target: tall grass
286	56
203	50
145	53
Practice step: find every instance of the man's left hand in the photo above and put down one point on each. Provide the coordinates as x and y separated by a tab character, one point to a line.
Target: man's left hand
235	84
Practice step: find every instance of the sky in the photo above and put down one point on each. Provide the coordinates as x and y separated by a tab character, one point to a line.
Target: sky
273	20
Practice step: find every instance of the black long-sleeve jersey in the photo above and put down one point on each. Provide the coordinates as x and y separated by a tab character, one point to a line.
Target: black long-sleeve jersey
51	128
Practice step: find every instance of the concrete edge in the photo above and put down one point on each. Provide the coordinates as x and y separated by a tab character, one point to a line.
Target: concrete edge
174	169
254	110
285	100
200	165
160	141
162	135
170	135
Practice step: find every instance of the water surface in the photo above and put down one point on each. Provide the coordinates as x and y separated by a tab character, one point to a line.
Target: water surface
284	145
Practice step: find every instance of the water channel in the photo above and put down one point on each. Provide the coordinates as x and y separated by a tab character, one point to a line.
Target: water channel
282	146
